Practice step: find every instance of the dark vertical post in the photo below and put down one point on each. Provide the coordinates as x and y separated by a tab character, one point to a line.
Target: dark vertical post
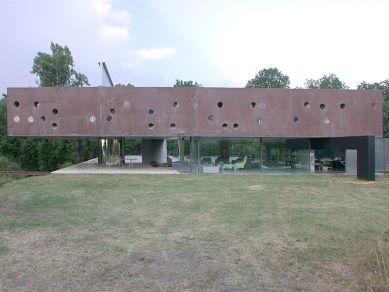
122	150
366	158
181	149
190	154
100	151
260	155
198	155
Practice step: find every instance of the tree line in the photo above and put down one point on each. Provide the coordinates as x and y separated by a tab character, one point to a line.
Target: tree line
57	70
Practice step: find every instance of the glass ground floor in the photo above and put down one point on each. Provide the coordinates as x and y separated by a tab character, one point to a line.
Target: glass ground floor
251	155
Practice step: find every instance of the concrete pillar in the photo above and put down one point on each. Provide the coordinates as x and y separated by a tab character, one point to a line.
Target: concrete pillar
351	161
154	150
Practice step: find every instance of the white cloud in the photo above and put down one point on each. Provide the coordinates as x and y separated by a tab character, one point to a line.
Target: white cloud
102	6
115	22
120	15
116	32
155	53
127	65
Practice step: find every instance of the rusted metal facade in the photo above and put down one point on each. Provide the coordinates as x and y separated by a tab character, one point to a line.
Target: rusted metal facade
193	112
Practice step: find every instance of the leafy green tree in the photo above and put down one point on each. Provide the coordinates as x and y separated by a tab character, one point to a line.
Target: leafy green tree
9	146
133	146
7	164
269	78
57	69
384	86
190	83
123	85
326	82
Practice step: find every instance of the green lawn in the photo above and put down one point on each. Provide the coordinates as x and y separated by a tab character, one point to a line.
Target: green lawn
194	233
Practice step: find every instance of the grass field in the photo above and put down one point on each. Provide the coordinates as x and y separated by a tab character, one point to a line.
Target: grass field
194	233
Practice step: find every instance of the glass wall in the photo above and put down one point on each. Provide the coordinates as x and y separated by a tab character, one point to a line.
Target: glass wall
250	155
330	160
111	150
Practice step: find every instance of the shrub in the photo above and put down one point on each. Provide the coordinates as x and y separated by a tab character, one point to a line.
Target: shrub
8	165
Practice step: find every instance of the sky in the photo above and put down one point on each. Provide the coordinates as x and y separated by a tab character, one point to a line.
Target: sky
217	43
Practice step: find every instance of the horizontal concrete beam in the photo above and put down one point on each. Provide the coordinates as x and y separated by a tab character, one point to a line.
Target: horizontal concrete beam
184	112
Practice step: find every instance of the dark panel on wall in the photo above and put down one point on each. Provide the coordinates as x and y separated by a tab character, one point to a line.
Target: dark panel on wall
208	112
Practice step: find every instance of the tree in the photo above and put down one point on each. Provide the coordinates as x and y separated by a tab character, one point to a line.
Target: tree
326	82
269	78
9	146
122	85
190	83
384	86
57	69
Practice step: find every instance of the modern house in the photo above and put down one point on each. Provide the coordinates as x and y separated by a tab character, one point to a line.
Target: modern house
300	120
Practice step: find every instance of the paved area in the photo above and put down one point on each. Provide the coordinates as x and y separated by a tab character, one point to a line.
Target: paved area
91	166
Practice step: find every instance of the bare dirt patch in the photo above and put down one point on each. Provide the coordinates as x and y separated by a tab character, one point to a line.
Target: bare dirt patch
255	188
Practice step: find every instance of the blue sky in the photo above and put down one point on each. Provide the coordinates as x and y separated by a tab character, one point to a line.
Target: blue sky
216	43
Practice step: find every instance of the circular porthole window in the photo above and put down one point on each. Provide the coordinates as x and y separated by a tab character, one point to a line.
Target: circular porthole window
55	111
342	106
151	111
295	119
220	104
151	126
211	118
326	121
373	105
36	104
225	126
322	106
175	104
253	104
92	119
30	119
112	111
43	119
126	104
16	104
262	105
54	125
109	118
173	125
16	119
306	104
259	120
236	126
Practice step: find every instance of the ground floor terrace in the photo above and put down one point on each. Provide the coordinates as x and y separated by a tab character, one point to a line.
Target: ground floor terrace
237	156
133	165
215	156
